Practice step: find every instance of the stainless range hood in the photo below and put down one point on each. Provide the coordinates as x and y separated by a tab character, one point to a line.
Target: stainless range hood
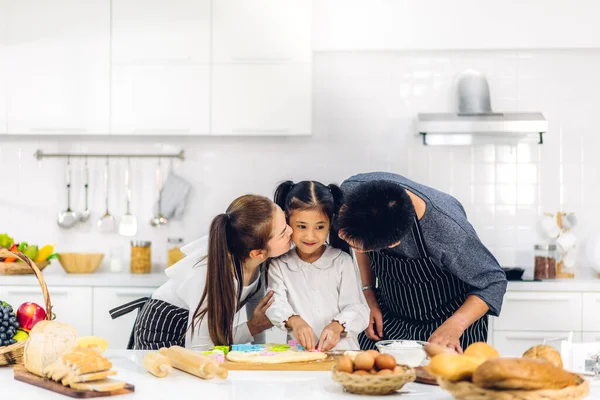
476	122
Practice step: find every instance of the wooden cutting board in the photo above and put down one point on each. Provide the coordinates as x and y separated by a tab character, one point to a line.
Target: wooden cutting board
424	377
21	374
320	365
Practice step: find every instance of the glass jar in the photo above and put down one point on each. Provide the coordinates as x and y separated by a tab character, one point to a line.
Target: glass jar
174	253
141	257
544	261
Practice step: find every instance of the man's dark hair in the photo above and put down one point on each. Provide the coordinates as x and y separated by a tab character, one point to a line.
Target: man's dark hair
375	215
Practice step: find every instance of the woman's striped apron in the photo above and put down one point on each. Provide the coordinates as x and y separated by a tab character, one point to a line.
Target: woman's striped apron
416	296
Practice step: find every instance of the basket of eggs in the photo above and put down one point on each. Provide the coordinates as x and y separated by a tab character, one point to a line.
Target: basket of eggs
370	372
480	373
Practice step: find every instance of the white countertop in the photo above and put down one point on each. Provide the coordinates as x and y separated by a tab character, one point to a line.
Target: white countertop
239	385
54	275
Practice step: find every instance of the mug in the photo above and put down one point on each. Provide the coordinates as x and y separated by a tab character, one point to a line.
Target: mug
548	227
570	259
566	241
569	221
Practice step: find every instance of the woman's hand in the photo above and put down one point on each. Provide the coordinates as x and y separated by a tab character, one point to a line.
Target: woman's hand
302	332
448	334
330	336
375	329
259	321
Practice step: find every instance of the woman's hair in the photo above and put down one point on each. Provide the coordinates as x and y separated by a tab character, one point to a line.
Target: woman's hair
313	196
245	226
376	214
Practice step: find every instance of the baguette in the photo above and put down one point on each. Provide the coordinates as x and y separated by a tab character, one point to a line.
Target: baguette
522	374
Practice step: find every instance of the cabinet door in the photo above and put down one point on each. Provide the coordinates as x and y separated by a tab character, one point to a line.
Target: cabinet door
262	99
115	331
160	100
58	66
515	343
3	65
71	305
261	31
535	311
160	32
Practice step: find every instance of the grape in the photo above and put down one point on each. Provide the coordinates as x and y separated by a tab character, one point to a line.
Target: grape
2	329
6	316
5	324
12	341
3	336
12	320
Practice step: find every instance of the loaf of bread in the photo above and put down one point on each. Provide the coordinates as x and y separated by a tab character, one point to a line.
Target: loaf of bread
48	340
545	352
481	350
454	367
522	374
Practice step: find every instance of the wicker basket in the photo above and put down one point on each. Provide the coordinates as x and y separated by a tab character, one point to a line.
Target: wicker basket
468	391
19	268
374	384
13	354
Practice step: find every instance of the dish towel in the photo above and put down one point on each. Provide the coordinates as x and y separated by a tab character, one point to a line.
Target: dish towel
174	194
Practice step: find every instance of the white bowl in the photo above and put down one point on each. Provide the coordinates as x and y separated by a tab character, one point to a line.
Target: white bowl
408	352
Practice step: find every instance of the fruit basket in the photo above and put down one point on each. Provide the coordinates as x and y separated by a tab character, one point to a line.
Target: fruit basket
374	384
465	390
20	268
13	354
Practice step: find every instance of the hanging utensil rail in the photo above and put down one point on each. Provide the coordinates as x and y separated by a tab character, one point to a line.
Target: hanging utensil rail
40	155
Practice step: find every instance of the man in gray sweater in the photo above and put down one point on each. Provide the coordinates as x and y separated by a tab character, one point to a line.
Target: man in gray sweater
425	273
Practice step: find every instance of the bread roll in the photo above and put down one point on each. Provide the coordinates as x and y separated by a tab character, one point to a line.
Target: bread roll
433	349
522	374
454	367
482	350
48	340
545	352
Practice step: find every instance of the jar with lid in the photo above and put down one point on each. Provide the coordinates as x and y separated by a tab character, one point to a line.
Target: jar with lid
174	253
545	261
141	257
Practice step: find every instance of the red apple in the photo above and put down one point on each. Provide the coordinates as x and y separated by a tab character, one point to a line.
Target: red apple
30	314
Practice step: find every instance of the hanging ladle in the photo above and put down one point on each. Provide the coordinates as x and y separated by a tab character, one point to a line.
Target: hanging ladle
68	218
159	219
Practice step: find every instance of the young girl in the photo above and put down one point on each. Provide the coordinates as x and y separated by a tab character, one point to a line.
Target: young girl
198	307
315	285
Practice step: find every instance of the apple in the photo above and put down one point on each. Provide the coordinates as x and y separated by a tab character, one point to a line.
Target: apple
30	314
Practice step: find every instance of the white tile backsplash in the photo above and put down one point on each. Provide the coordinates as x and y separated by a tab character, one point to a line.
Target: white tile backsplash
364	106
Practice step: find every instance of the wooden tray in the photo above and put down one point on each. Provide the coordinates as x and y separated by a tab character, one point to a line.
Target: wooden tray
424	377
20	268
21	374
320	365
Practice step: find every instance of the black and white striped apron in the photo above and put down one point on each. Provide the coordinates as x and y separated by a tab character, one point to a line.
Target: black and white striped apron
416	296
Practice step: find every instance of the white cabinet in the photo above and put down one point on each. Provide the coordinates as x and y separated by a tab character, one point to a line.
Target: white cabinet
71	305
161	100
261	31
3	67
150	32
57	66
262	99
540	311
115	331
515	343
591	316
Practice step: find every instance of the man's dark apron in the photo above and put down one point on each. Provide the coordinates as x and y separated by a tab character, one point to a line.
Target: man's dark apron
416	296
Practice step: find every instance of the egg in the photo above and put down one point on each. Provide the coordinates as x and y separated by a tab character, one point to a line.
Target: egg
374	353
372	371
364	361
385	372
344	364
385	361
361	372
397	370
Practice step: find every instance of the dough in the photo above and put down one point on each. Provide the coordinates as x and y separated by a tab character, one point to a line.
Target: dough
276	358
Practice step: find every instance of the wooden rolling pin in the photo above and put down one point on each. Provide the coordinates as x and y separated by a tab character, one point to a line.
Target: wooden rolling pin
157	364
189	361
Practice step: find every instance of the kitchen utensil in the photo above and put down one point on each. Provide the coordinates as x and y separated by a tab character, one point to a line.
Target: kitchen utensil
159	219
128	225
84	215
106	224
68	218
514	274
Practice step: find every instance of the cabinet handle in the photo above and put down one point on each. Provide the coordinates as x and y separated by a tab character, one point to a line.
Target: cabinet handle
58	130
127	294
151	131
259	60
271	131
36	292
538	299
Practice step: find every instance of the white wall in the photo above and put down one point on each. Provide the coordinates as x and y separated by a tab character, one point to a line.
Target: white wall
364	109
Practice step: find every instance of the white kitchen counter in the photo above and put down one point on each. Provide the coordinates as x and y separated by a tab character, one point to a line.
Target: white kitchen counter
240	385
54	275
556	285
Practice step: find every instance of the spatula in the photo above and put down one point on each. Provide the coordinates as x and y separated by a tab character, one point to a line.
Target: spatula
128	225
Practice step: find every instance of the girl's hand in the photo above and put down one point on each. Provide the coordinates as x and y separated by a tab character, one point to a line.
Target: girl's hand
302	331
259	321
448	334
330	336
